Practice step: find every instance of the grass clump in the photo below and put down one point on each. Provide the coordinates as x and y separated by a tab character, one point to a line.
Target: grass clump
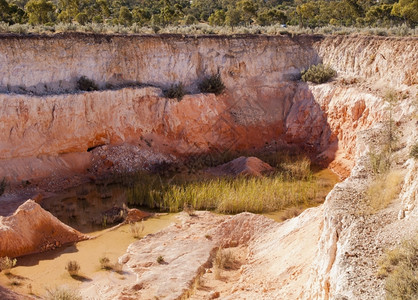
212	84
160	260
72	267
318	74
413	153
136	229
224	260
383	190
105	263
225	195
175	91
400	268
299	169
86	84
380	161
62	293
6	264
292	185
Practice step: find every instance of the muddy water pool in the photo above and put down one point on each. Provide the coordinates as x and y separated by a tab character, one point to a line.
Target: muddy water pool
84	209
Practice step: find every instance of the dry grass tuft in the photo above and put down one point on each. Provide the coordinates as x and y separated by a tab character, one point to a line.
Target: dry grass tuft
224	260
400	268
72	267
136	229
383	190
6	264
105	263
62	293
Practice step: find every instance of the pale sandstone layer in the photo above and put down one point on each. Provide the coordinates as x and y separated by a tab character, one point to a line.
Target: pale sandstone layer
263	102
31	229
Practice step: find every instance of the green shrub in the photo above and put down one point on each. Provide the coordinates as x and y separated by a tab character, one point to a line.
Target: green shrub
160	259
383	190
81	18
61	293
175	91
6	264
413	154
212	84
72	267
318	74
400	268
86	84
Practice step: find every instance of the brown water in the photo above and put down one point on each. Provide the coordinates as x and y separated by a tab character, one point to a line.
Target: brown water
37	273
83	207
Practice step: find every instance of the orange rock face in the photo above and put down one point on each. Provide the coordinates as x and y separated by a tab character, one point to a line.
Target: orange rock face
47	128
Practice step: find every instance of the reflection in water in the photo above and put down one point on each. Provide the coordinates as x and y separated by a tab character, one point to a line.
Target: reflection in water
88	207
92	207
47	270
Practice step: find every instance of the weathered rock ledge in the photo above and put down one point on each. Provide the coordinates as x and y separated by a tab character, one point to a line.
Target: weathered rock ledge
31	230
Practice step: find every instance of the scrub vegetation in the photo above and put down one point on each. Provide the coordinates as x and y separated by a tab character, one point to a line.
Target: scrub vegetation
238	16
399	267
292	184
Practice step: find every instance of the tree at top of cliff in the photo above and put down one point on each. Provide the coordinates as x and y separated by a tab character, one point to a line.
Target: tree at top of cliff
408	10
40	11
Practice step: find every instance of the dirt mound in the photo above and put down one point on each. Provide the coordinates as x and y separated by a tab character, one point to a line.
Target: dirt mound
31	229
251	166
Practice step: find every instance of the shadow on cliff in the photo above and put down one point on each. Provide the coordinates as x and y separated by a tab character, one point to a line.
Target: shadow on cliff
307	127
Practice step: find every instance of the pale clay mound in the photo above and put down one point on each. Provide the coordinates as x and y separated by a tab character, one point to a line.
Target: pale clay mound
251	166
263	270
31	229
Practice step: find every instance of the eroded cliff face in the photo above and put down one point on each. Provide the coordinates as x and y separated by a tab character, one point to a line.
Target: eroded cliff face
263	103
340	122
42	64
258	72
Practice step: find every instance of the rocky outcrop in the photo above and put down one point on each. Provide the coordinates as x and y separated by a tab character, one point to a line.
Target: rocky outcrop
346	110
353	238
409	193
31	229
187	251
